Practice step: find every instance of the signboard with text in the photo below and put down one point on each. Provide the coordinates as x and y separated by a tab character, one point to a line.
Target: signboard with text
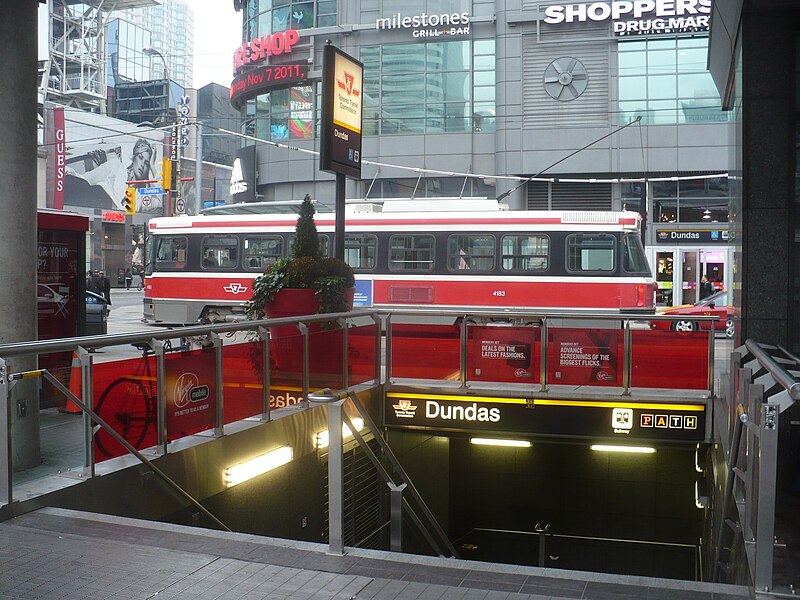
342	86
503	354
191	392
557	417
585	357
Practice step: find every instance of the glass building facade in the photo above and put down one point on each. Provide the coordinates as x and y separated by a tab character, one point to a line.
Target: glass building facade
490	95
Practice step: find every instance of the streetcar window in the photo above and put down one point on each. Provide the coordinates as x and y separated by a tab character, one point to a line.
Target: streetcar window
324	243
261	251
473	252
526	252
590	252
170	252
360	250
220	252
634	259
411	253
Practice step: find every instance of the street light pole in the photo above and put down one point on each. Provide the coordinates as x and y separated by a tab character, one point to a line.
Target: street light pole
176	131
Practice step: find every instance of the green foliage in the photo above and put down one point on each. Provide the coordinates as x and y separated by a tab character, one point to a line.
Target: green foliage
306	239
330	277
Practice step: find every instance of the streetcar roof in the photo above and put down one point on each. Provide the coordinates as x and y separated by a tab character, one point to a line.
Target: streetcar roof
457	220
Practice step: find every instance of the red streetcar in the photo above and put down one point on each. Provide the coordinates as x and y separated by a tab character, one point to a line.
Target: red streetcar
201	269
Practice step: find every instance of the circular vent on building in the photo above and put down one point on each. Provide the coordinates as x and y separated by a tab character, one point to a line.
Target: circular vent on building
565	79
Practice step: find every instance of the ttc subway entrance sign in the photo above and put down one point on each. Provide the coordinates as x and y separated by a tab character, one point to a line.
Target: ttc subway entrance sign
342	84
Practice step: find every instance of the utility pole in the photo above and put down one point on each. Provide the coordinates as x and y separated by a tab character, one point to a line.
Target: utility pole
198	168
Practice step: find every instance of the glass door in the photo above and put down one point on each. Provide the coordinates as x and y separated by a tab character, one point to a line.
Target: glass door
690	278
713	267
664	275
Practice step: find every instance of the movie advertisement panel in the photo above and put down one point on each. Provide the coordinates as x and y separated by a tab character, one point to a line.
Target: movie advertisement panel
585	357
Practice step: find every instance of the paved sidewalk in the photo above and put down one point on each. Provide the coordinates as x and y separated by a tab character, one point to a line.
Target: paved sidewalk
64	554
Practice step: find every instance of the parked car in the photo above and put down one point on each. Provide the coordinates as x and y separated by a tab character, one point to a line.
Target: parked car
715	304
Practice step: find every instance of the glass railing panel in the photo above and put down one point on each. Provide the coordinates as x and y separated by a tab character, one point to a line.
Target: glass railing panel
426	351
669	359
503	354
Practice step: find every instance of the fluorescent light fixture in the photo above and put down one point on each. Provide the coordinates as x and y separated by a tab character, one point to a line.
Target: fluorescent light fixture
493	442
322	439
632	449
257	466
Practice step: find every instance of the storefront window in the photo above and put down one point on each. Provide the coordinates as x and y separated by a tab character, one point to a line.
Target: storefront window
666	81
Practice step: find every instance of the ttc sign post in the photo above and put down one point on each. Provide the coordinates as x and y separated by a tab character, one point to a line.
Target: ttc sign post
340	148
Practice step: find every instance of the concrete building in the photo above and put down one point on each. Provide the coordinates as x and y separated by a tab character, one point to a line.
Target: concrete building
577	97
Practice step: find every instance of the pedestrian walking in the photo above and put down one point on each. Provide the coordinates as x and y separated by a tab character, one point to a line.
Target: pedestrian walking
105	286
91	286
128	278
706	288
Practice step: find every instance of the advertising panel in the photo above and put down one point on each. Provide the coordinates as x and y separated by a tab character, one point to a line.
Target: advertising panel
57	160
503	354
265	78
243	175
191	393
585	357
342	84
529	416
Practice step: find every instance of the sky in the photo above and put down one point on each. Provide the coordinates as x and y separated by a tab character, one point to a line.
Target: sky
217	34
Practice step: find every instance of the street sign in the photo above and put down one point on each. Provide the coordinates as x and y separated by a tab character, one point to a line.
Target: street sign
180	206
146	201
151	191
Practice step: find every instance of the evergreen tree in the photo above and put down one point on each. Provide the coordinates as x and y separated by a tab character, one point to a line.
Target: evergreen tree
306	239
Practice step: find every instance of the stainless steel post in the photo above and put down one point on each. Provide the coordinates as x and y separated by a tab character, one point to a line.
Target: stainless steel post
627	354
263	334
6	466
345	358
378	346
542	531
396	516
463	356
711	360
161	405
306	362
219	383
388	379
87	395
543	349
766	492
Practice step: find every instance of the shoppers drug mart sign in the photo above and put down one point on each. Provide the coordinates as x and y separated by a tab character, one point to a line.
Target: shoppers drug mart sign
636	17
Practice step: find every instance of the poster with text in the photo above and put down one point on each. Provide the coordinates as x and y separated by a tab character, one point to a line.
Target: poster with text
503	354
585	357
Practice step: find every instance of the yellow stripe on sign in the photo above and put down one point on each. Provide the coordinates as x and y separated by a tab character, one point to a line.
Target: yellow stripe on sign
457	398
543	402
644	405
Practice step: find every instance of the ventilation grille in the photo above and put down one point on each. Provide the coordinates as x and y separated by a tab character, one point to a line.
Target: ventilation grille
544	195
591	108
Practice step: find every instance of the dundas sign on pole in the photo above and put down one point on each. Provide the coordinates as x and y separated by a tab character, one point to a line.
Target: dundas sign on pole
342	85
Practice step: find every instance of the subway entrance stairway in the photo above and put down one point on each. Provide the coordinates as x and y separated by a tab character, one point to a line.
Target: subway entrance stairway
392	463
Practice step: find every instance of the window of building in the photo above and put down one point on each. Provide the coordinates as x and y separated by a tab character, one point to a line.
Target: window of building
429	88
666	81
690	201
525	252
263	17
470	252
411	253
261	251
219	252
590	252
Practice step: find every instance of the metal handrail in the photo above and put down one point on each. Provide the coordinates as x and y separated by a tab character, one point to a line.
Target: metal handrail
779	373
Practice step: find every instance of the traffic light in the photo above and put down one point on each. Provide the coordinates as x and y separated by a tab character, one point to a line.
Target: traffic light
130	201
166	174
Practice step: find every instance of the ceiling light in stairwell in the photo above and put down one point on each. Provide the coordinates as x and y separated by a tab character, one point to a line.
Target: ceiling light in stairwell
257	466
321	438
498	442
